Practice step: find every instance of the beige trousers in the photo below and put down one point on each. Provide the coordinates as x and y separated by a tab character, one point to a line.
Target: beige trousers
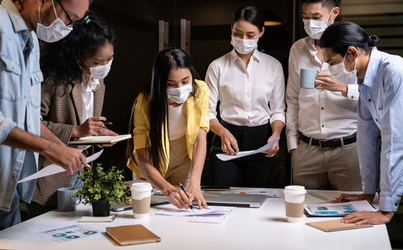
326	168
180	164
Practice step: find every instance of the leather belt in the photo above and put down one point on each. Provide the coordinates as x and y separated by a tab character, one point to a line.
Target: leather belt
330	143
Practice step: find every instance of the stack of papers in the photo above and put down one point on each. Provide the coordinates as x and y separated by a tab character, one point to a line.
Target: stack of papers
212	214
171	210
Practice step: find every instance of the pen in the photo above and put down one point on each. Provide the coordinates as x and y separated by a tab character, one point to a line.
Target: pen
107	122
183	189
351	198
86	164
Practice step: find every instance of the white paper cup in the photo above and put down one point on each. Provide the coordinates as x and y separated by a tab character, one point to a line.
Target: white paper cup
141	199
294	197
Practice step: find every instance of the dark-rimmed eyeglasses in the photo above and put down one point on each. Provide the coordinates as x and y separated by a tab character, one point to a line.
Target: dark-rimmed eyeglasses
71	21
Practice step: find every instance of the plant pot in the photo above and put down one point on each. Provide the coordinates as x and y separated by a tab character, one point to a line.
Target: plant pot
101	208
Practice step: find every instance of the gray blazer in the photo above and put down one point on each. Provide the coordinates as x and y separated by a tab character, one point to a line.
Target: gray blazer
61	110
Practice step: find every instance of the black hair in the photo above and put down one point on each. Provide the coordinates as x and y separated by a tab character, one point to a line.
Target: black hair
330	4
340	35
165	61
59	59
251	14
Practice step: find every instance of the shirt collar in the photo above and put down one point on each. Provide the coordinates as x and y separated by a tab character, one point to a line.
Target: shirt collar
372	68
15	16
234	56
310	44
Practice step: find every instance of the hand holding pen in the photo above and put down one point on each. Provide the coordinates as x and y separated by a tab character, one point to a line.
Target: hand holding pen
184	190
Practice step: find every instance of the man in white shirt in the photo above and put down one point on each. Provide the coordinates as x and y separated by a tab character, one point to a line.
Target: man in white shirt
321	124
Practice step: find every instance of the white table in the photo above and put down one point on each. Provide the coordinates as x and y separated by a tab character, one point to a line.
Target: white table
246	228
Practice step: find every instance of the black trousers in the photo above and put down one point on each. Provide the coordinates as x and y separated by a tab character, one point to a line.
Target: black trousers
250	171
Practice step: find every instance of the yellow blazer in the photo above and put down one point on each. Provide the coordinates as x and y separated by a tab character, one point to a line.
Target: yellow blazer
197	117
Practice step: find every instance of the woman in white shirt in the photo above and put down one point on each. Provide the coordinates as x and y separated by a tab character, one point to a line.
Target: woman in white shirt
250	88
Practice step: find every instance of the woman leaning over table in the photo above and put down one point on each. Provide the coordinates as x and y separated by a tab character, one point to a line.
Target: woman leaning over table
250	88
350	52
72	96
169	126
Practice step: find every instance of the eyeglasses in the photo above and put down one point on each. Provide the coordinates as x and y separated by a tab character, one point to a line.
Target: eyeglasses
71	21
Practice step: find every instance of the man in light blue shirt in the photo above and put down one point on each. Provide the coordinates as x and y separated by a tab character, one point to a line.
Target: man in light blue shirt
380	108
21	131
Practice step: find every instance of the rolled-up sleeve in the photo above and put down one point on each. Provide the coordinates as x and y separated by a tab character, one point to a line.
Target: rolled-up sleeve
277	103
212	83
6	124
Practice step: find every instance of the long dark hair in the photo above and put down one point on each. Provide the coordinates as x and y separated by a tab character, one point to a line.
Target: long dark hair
165	61
251	14
340	35
59	59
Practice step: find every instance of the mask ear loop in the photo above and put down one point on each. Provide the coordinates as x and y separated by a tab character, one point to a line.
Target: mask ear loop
54	9
39	11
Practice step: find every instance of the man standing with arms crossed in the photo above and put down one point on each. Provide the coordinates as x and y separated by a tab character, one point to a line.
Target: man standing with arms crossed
321	124
21	131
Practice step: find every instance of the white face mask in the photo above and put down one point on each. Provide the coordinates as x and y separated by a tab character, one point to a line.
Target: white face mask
180	95
53	33
315	28
339	74
244	46
98	72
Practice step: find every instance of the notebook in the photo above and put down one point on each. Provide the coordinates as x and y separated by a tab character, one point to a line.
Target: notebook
335	225
133	234
100	139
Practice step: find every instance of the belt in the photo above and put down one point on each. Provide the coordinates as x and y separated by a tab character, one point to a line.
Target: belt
330	143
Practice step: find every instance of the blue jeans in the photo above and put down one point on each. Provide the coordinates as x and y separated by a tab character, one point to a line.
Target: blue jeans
12	217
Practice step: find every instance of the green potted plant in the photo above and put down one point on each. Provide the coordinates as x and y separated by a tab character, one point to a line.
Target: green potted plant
102	188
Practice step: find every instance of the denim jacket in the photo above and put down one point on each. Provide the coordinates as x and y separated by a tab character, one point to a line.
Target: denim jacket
20	101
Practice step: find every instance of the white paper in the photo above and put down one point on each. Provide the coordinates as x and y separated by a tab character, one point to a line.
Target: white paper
55	169
338	209
171	210
100	139
63	233
227	157
269	194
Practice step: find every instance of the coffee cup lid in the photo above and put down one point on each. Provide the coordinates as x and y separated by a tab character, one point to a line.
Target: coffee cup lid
141	186
295	189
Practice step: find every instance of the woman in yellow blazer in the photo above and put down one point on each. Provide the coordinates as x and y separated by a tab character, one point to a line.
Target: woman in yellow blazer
169	125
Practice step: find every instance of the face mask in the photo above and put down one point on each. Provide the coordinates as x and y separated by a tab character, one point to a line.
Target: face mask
180	95
244	46
98	72
315	28
339	74
53	33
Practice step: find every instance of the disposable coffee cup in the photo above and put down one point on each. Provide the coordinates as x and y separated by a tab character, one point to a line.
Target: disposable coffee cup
307	78
141	199
65	201
294	203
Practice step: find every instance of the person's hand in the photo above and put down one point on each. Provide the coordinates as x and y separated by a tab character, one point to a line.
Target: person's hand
271	152
92	126
194	192
344	197
177	197
70	159
292	151
365	217
229	145
325	81
107	132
